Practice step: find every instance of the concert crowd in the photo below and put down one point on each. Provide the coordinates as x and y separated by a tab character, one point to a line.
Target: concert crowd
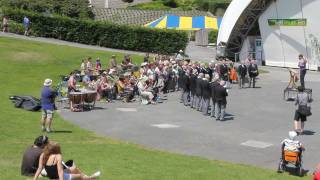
203	86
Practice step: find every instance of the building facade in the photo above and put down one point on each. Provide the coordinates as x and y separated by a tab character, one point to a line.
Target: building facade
286	28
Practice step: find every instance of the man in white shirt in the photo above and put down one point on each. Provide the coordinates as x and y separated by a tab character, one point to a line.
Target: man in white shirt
179	56
291	144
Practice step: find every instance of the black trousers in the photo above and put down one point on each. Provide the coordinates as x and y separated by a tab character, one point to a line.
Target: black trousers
302	75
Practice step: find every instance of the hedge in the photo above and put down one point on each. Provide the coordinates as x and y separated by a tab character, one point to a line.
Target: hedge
213	36
102	33
15	27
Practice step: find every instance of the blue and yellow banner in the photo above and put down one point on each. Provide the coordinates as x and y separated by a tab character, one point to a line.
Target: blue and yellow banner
186	23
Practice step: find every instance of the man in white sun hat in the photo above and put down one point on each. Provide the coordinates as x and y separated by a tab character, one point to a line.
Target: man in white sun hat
180	56
47	105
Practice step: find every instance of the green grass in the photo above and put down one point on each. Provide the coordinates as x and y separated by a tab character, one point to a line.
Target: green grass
184	5
23	67
154	5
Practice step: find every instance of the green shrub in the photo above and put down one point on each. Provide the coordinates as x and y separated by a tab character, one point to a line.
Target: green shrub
15	27
213	36
103	34
170	3
71	8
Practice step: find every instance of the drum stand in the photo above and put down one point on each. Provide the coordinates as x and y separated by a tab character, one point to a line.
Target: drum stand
292	86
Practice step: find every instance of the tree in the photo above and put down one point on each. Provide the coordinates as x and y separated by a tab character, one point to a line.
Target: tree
71	8
211	5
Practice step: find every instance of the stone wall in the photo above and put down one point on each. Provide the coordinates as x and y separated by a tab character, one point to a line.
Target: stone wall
138	17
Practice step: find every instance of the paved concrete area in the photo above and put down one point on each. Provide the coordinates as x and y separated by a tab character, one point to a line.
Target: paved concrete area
200	53
258	120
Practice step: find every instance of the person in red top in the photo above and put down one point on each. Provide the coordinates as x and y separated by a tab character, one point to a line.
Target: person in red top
316	174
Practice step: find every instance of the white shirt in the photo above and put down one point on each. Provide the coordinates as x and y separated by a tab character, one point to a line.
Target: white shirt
291	145
83	66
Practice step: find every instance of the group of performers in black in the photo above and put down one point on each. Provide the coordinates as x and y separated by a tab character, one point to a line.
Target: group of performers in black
205	87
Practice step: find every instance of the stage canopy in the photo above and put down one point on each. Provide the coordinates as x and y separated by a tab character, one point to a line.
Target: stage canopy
186	23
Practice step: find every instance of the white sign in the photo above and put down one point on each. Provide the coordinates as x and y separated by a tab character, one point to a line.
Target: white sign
165	126
256	144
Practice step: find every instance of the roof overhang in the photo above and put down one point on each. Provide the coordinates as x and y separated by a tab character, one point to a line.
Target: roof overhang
237	22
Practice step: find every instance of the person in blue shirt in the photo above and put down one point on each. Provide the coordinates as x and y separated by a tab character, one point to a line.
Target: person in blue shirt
26	25
47	105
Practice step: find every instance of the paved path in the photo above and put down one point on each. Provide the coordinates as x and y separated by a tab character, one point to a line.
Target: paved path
200	53
257	117
195	52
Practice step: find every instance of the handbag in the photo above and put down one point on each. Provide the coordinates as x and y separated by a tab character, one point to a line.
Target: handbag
304	110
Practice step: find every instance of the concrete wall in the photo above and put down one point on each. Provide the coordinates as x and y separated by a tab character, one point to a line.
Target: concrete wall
282	44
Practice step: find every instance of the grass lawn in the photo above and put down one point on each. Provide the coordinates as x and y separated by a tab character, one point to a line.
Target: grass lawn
24	66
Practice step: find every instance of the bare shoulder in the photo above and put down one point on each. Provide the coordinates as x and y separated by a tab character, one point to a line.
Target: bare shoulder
59	157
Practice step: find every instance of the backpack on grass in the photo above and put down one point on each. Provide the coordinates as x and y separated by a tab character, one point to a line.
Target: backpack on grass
28	103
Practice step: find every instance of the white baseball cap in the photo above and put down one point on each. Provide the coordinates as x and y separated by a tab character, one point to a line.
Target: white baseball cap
47	82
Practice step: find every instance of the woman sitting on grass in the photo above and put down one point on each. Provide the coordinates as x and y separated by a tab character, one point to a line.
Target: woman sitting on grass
51	161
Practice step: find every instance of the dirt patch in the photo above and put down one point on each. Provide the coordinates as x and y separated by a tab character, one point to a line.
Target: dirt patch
28	56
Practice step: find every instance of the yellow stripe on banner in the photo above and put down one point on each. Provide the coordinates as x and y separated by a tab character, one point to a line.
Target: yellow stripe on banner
185	23
211	23
163	23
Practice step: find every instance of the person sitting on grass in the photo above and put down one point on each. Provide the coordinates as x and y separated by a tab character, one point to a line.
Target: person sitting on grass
31	156
51	161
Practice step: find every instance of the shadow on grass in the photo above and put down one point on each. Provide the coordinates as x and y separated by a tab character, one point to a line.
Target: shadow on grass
61	131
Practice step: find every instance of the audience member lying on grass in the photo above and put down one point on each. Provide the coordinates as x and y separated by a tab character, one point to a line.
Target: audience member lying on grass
51	161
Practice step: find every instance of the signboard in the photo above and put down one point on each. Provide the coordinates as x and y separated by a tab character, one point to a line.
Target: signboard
287	22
